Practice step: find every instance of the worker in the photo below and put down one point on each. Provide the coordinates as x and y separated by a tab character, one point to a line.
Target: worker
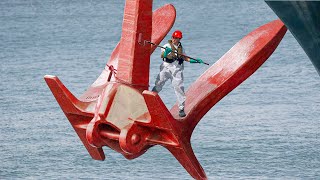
173	56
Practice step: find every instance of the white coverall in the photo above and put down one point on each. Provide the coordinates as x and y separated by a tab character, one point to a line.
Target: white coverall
174	72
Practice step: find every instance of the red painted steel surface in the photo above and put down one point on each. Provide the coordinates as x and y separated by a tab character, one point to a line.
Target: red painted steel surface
118	111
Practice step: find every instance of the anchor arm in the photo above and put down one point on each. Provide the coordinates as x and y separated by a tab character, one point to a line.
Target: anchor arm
234	67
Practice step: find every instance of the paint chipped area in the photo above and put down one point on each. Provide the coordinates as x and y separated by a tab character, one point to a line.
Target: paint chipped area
127	104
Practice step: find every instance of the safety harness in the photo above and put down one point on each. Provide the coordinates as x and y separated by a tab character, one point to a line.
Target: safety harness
175	55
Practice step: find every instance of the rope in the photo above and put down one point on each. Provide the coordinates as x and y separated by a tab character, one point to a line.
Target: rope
118	80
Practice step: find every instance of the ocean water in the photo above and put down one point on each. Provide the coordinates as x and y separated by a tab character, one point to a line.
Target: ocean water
267	128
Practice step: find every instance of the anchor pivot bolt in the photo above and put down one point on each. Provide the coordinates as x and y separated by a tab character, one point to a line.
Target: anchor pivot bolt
135	139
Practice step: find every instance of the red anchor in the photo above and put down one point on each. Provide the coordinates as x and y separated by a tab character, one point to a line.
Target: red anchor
118	111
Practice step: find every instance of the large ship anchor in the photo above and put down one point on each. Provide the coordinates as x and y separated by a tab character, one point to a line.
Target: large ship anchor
120	112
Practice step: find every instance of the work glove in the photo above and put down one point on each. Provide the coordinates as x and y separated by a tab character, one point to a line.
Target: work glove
200	61
167	51
196	61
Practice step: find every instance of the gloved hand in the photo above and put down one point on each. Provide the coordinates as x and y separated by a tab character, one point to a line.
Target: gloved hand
167	51
196	61
199	61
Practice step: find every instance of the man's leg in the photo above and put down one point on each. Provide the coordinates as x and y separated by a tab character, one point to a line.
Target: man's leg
177	83
162	77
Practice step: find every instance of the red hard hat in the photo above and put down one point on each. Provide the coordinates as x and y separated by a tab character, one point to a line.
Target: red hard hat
177	34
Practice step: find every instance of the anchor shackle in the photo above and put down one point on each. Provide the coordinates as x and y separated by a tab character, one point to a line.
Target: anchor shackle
133	138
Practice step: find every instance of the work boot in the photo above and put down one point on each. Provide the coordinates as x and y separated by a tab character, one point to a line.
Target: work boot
154	89
181	113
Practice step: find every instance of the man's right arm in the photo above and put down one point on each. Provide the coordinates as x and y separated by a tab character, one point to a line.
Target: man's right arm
165	52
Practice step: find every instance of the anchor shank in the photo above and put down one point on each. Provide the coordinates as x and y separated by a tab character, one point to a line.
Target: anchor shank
134	59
